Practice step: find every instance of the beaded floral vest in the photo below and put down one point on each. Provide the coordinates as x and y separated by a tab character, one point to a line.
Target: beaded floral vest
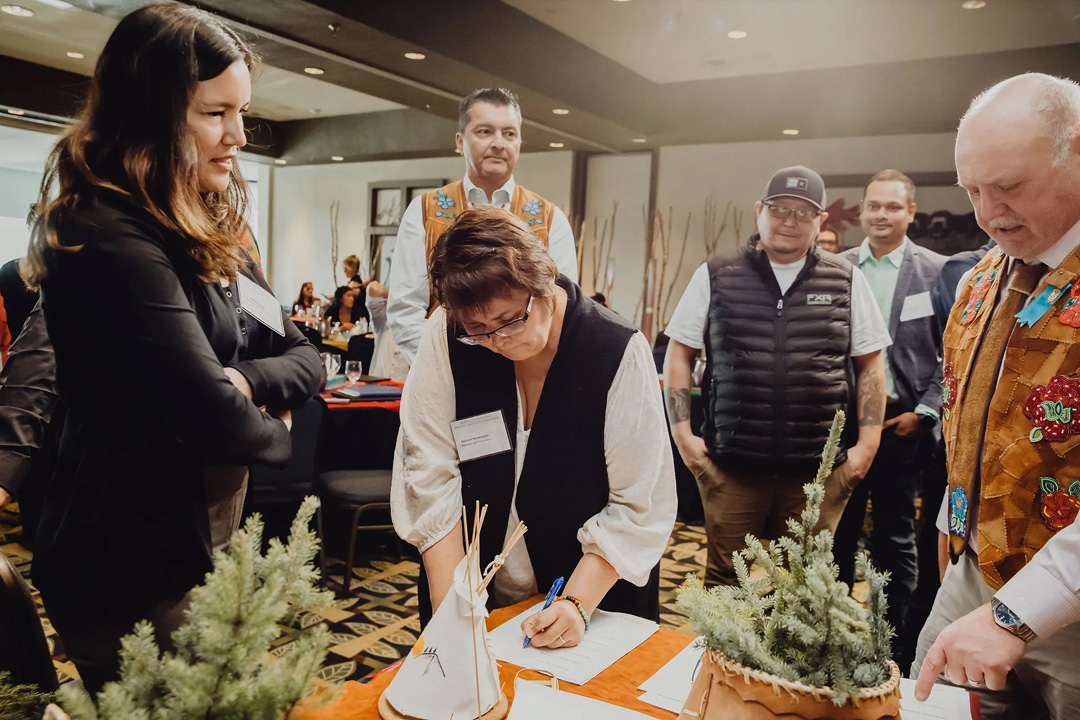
1030	460
441	207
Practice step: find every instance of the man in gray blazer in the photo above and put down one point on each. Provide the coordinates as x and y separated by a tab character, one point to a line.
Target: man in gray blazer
902	276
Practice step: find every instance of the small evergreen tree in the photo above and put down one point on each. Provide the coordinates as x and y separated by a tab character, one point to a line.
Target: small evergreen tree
798	621
222	667
20	702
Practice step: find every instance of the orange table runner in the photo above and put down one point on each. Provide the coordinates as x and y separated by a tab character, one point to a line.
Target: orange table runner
617	685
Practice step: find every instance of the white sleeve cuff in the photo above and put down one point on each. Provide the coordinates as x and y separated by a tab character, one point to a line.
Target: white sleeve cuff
1040	600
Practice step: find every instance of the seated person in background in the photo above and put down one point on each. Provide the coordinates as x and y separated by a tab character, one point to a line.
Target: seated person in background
19	300
343	309
306	299
597	485
386	360
828	240
600	299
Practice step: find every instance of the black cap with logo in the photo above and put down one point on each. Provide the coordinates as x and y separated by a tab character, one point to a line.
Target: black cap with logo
797	182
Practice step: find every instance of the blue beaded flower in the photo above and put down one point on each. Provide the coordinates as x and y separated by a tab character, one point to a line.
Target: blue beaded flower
958	505
532	207
444	201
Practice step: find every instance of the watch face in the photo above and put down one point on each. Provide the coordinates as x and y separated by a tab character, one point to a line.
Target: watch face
1005	616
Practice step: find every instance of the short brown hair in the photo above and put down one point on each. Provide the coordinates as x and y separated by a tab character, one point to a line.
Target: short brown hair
893	176
497	96
487	254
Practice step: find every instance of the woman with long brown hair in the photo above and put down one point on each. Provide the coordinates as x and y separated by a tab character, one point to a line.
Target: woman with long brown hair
167	339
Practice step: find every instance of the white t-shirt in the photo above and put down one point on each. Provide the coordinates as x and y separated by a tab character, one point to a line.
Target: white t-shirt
868	329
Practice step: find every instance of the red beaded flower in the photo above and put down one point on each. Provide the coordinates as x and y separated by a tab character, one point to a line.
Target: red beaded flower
948	389
1053	409
980	287
1070	314
1058	507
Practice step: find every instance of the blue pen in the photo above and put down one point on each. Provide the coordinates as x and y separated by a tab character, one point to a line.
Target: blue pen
552	594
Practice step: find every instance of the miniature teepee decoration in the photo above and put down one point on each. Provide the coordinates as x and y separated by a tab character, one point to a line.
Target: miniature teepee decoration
451	671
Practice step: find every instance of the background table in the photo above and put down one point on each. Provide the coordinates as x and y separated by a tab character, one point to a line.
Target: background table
617	685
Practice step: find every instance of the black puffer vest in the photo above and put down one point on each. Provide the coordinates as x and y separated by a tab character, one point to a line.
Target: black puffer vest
778	364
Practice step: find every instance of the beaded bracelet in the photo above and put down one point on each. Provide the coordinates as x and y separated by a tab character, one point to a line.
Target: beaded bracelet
580	609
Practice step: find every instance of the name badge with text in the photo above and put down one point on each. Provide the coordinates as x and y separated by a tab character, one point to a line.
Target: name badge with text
480	436
260	304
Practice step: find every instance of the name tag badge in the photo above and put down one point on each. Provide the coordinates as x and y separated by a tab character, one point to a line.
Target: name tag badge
916	306
480	436
818	299
260	304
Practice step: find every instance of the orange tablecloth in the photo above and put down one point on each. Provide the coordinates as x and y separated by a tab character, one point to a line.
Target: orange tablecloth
394	405
617	685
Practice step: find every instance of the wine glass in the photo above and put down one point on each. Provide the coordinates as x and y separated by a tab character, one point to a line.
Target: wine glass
353	371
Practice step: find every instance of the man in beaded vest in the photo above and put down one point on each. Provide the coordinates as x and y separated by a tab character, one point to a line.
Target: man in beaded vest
781	325
1006	622
489	138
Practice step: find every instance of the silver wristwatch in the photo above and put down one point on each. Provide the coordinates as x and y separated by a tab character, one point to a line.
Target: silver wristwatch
1007	619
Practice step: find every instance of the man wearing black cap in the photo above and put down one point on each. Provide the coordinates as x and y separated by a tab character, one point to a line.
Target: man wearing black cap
778	324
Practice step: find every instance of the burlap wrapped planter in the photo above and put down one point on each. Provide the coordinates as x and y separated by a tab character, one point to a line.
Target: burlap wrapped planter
726	690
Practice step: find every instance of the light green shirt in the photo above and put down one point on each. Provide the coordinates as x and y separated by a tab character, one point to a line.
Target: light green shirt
882	275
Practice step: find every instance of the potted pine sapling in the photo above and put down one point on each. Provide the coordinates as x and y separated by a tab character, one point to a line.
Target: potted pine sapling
792	643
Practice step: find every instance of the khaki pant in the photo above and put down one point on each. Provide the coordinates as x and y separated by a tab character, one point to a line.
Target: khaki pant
1045	683
737	504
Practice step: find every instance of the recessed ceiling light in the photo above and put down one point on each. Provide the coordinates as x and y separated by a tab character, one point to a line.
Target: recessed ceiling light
17	10
76	55
638	140
737	34
14	111
279	161
973	4
314	71
415	56
555	145
337	158
791	131
561	111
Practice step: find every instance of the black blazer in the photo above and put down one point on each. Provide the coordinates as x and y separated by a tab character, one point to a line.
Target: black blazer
140	346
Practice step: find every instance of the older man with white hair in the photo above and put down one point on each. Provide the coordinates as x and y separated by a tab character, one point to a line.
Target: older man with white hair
1006	622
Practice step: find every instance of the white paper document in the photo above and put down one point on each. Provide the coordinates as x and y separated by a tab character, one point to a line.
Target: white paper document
669	686
945	703
610	636
662	701
536	701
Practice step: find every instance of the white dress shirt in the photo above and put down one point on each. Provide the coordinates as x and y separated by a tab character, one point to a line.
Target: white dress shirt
631	531
408	284
1045	593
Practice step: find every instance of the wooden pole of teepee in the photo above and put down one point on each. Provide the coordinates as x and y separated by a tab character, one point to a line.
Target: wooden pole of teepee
518	532
474	549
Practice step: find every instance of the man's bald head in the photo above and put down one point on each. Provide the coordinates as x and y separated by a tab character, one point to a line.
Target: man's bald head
1018	158
1052	103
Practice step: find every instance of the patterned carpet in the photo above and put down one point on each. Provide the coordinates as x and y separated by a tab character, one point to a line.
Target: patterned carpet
378	622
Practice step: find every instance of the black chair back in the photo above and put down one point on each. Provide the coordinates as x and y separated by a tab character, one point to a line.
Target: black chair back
361	348
24	652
